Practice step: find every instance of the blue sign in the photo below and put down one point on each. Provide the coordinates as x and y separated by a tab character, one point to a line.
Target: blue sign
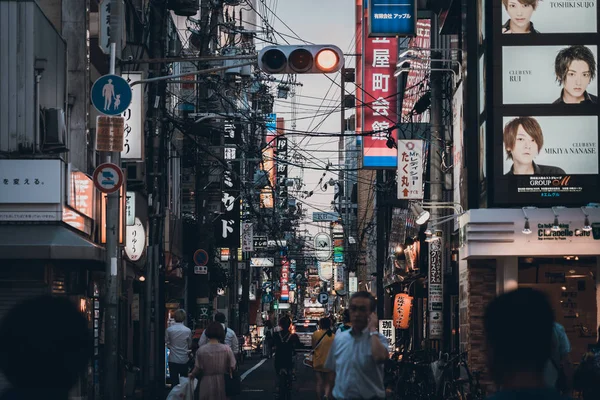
111	95
392	18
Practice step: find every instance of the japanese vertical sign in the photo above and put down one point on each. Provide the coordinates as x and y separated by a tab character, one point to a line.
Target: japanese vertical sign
227	225
282	173
247	237
410	169
417	80
386	328
284	280
268	162
435	290
379	97
133	138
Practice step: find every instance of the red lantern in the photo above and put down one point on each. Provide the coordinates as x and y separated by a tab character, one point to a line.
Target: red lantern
402	310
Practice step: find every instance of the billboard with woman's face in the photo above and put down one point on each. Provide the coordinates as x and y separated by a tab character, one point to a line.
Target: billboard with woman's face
548	16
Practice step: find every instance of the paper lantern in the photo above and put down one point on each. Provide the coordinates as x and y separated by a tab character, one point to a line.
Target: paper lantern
402	310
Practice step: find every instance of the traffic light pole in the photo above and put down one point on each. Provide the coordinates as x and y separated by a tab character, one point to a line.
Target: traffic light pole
112	267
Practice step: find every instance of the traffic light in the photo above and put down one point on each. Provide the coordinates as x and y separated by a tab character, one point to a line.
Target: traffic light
301	59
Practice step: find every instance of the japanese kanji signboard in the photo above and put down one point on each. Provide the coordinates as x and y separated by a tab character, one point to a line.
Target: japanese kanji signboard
410	169
227	225
133	137
379	99
135	241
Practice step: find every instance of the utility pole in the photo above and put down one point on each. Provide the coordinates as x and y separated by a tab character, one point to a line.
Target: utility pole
113	269
435	314
154	167
341	176
380	231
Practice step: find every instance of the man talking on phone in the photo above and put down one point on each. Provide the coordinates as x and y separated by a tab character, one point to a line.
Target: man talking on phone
358	354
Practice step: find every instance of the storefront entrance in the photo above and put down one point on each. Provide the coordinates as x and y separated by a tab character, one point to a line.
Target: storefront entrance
570	284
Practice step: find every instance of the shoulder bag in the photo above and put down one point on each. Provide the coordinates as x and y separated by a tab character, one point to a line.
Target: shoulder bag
308	358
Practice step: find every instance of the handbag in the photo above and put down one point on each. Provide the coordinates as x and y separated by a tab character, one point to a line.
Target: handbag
233	384
309	358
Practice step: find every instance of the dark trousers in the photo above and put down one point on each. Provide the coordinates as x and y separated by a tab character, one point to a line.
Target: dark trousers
177	370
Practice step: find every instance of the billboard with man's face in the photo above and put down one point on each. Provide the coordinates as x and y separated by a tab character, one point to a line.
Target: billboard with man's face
543	138
547	16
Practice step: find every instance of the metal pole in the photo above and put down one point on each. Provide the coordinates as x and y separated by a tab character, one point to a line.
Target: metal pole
435	319
113	275
341	182
379	210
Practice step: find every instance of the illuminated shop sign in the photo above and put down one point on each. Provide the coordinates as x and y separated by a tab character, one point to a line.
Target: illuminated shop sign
392	17
545	103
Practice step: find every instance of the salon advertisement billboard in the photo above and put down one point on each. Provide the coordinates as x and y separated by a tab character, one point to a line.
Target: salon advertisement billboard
547	16
543	137
534	74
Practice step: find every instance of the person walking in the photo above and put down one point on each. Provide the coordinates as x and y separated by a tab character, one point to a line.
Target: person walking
230	340
321	344
357	356
268	342
178	338
213	361
518	328
285	344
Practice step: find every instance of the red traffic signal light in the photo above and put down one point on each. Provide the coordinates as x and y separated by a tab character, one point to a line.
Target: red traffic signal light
301	59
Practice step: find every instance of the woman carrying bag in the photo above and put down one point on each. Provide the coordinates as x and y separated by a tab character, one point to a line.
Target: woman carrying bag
321	343
215	366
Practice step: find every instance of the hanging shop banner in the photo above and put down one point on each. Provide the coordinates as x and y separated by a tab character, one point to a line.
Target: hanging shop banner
227	225
133	140
435	302
352	285
392	17
322	246
135	240
284	280
402	310
282	171
338	243
379	103
386	328
247	237
417	80
325	270
410	169
338	278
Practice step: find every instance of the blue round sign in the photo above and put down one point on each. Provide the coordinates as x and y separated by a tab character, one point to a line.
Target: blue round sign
111	95
201	257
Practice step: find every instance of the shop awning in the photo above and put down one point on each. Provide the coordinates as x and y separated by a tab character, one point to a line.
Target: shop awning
46	242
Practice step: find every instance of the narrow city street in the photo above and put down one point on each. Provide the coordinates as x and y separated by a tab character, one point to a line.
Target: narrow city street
258	379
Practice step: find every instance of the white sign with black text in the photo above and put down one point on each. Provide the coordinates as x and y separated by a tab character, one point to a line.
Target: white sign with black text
410	169
386	328
133	139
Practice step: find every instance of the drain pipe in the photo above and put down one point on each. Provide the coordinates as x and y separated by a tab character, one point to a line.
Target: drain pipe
39	67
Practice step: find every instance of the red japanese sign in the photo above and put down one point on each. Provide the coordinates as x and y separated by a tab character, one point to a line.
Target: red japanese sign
417	81
284	279
380	95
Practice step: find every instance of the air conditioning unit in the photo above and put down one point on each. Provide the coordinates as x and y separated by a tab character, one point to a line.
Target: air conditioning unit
55	129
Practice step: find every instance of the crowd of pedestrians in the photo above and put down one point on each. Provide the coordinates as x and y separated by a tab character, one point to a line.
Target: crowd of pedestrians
528	352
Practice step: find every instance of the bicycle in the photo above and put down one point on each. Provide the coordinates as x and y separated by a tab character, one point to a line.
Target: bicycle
458	382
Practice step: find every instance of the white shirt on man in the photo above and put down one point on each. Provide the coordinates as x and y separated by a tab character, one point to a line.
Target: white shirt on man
179	339
231	339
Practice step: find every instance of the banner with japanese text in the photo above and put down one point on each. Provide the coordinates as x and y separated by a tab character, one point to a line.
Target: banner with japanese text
227	225
410	169
379	94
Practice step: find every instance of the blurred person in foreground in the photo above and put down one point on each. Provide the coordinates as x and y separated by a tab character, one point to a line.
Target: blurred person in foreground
519	328
213	361
47	366
357	356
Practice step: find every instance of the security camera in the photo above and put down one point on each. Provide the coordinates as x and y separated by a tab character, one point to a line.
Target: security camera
130	58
